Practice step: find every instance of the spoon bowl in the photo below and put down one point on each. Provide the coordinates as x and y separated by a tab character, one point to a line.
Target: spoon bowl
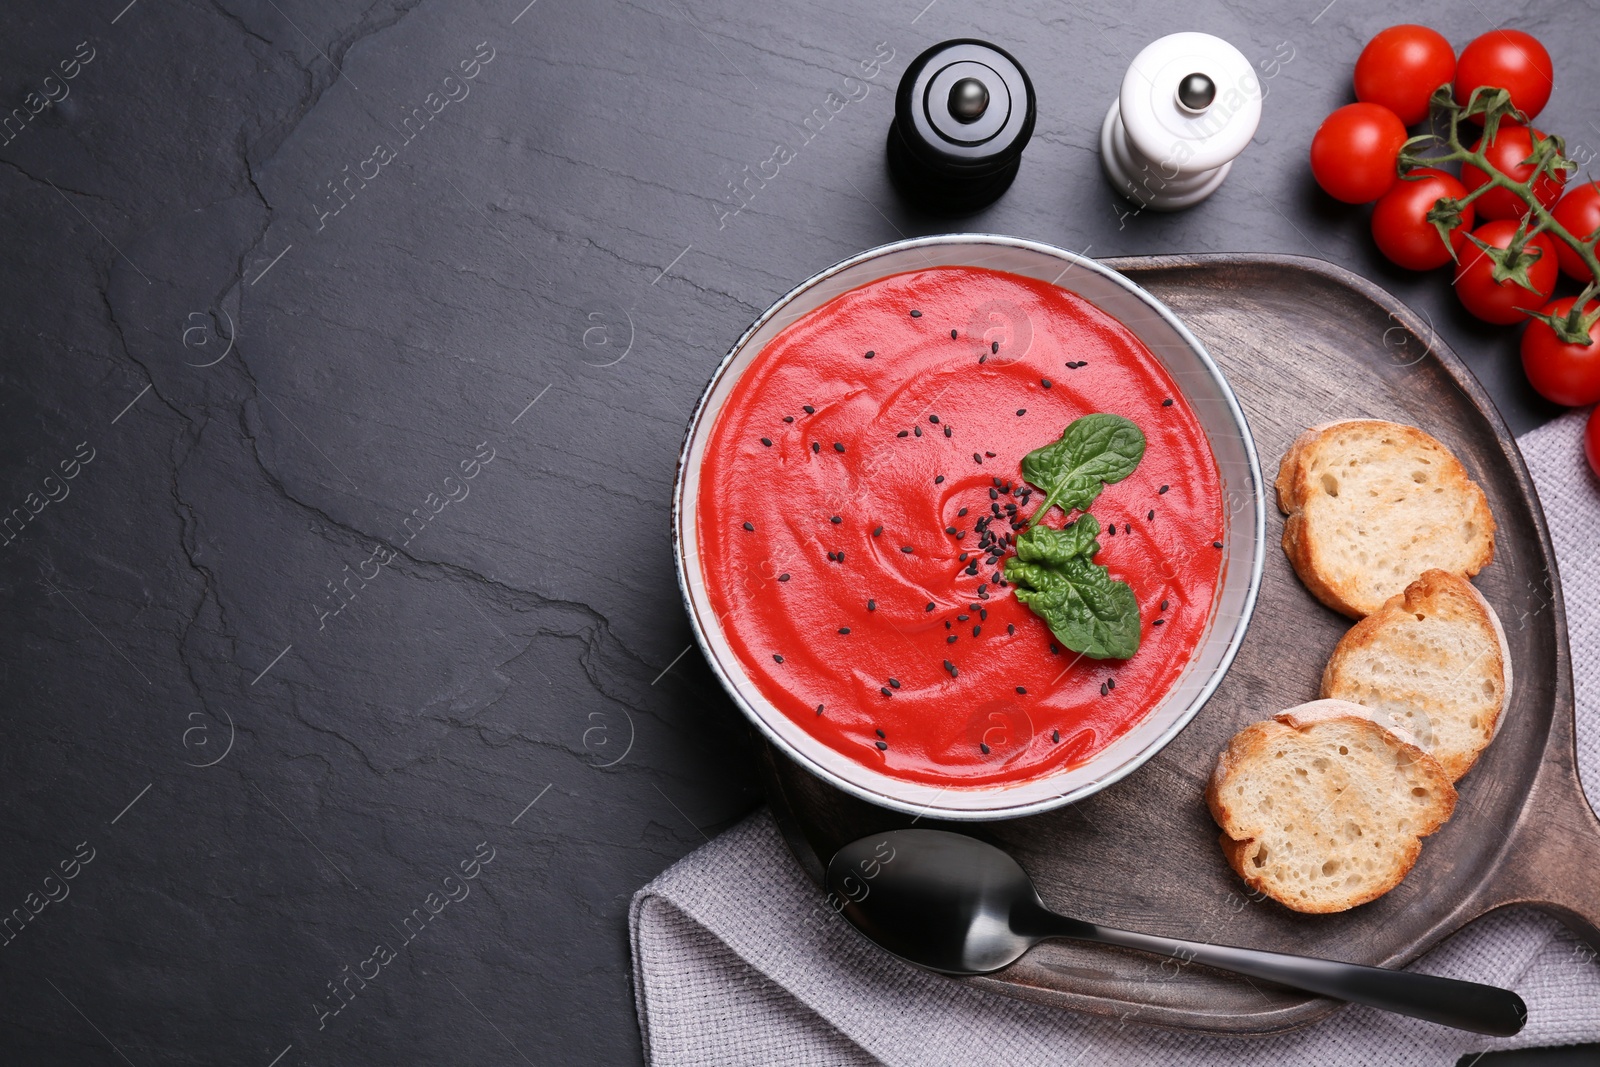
954	904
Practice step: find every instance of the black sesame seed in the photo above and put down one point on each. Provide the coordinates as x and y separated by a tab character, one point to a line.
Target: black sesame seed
962	618
885	691
907	549
961	513
934	419
1150	516
984	747
819	708
1167	403
982	587
929	607
1045	382
1021	412
1159	622
870	353
872	605
783	577
982	359
903	433
947	624
839	555
883	746
988	453
950	640
951	530
788	418
1102	689
836	520
1111	530
977	458
1216	544
777	658
1111	683
815	447
994	494
976	630
939	480
1164	605
952	335
947	431
1011	628
808	409
877	531
767	441
1127	527
1055	735
1022	691
917	430
1163	489
749	526
844	629
994	346
916	314
880	733
837	447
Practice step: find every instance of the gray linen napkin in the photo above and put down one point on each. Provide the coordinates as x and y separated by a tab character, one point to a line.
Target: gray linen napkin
737	960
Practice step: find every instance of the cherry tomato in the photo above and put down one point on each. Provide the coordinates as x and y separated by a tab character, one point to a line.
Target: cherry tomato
1579	212
1591	441
1400	223
1401	67
1512	144
1502	302
1510	60
1563	373
1353	152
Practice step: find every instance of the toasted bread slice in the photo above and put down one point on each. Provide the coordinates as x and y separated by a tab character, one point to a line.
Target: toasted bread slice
1323	809
1433	660
1371	505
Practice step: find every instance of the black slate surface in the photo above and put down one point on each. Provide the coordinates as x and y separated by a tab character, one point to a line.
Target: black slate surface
370	402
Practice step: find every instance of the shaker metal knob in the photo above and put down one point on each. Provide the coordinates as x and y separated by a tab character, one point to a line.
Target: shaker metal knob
963	113
968	99
1189	104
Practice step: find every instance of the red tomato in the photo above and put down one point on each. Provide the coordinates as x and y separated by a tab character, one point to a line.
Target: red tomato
1510	60
1503	302
1353	152
1591	441
1401	67
1512	144
1400	223
1566	374
1579	212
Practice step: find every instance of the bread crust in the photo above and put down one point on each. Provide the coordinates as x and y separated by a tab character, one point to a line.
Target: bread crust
1305	547
1423	595
1238	842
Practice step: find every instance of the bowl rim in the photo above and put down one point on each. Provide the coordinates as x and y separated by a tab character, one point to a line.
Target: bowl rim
1073	260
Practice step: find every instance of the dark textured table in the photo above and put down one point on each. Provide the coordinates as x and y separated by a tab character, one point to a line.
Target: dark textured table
347	352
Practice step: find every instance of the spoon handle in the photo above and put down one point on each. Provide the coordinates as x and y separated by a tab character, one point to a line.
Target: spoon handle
1483	1009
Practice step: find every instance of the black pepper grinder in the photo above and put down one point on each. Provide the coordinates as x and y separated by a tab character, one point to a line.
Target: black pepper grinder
962	116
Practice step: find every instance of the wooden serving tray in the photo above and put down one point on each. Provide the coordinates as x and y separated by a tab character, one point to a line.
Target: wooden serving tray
1302	342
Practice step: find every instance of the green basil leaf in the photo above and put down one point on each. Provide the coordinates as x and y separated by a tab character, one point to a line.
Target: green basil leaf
1056	577
1073	469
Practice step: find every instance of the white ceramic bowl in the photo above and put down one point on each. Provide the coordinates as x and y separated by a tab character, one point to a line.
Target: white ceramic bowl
1214	406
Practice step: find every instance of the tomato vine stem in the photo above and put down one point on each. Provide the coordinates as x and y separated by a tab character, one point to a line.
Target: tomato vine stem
1548	158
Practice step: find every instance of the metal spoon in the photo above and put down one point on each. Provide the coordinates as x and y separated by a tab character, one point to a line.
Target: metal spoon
952	903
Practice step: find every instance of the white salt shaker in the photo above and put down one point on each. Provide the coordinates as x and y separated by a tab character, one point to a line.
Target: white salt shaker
1189	104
